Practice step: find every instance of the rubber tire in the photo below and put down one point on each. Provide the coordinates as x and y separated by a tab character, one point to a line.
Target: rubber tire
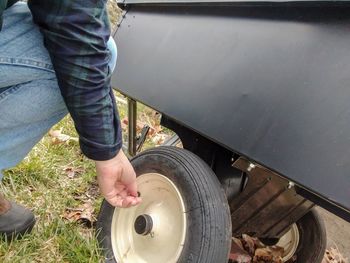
209	228
313	238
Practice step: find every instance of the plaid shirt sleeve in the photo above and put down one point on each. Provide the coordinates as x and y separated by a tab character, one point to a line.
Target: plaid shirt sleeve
76	34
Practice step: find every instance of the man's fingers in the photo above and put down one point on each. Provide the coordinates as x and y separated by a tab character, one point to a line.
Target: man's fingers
131	201
124	193
137	201
124	202
116	201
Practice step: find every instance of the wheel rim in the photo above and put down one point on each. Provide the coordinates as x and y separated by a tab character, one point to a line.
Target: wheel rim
289	241
153	231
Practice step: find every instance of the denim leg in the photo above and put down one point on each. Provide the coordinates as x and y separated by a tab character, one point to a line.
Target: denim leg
30	100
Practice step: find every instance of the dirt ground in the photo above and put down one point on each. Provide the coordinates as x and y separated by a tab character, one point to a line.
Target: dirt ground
338	232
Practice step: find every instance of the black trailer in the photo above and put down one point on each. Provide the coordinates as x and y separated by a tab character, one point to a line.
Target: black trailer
258	93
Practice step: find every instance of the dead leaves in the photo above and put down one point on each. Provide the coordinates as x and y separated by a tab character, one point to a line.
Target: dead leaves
72	172
269	255
238	253
159	138
334	256
151	119
250	250
83	214
249	244
57	137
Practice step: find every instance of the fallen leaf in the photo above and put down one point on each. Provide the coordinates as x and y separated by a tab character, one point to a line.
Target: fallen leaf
58	137
248	244
93	191
238	242
333	255
259	252
268	255
83	214
238	254
159	138
87	214
71	172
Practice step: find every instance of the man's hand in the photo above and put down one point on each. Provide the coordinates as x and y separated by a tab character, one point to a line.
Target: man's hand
117	181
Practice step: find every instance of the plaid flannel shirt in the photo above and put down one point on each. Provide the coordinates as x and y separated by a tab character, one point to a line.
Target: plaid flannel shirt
76	33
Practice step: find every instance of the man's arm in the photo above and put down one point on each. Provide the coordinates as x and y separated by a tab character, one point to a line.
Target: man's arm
76	34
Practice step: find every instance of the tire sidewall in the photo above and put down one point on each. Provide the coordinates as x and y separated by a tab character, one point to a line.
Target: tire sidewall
312	241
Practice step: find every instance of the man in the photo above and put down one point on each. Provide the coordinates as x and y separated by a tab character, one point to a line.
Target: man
64	66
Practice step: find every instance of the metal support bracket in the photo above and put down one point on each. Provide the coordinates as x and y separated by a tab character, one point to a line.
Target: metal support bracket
268	204
132	117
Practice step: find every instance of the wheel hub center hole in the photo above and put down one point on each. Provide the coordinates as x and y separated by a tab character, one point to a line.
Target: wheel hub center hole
143	225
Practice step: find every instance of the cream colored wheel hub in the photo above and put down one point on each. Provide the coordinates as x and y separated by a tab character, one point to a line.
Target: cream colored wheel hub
289	241
155	230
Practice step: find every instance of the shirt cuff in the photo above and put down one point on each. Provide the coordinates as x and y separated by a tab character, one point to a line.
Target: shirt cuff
100	152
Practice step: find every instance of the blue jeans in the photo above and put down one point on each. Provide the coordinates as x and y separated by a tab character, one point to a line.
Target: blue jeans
30	100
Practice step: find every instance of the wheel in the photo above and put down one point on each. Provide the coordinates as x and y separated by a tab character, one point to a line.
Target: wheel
306	239
184	214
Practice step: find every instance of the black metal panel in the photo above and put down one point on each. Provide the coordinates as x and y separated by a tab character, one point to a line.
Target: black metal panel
272	84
